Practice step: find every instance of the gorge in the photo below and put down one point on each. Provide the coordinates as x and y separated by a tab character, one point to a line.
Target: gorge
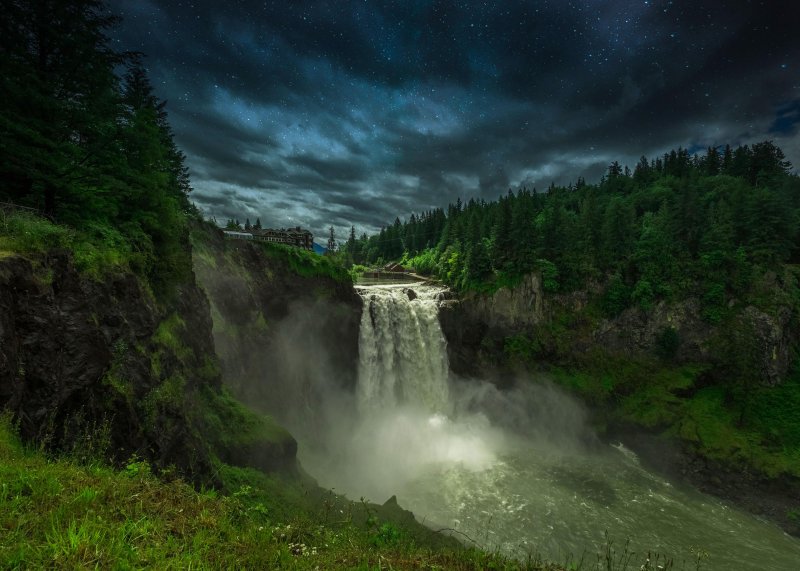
371	383
517	468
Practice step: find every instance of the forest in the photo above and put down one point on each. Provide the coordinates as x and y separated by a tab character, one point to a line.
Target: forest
86	143
676	225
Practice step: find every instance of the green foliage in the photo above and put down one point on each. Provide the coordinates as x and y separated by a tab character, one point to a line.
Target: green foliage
228	424
97	250
356	271
643	294
168	334
714	309
384	535
308	264
678	226
89	149
549	273
617	296
773	413
710	419
521	348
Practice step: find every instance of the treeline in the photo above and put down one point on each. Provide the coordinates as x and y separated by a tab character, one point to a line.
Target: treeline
84	140
675	225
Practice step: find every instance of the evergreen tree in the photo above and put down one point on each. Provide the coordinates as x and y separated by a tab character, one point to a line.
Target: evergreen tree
59	96
332	242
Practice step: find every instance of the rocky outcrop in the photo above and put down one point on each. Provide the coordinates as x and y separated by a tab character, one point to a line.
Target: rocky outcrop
477	326
285	335
76	360
104	370
510	309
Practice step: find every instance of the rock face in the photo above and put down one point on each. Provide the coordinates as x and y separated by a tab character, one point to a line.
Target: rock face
510	309
76	360
284	339
477	326
102	369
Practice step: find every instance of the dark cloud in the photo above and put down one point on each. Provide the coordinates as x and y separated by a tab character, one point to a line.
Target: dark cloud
352	112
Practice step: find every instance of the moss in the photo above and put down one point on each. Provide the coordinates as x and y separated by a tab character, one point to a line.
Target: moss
169	334
210	370
169	395
230	424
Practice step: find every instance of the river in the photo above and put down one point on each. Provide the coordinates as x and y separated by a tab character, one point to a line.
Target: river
515	471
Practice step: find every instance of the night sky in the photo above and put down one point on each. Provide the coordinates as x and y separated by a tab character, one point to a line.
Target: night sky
351	113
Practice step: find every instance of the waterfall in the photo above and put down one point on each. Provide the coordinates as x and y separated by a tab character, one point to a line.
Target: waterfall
402	351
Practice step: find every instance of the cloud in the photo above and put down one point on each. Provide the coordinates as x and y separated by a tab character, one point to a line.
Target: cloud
352	113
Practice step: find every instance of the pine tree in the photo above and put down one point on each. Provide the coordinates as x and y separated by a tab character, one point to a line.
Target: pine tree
332	242
59	90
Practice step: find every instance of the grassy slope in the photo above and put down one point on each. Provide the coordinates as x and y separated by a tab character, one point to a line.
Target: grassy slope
56	513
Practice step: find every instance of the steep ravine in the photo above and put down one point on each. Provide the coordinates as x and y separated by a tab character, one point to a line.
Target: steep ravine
566	329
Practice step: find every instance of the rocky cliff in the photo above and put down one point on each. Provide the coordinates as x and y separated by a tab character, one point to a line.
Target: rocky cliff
478	326
104	370
285	324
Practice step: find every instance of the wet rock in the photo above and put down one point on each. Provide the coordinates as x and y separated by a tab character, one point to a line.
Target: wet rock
77	354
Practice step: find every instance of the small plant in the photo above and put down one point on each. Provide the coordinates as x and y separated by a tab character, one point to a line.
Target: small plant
137	467
700	555
385	534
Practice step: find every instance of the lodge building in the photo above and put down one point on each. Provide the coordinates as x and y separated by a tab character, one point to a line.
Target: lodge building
296	236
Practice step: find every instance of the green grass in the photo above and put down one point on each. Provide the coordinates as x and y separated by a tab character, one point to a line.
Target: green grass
55	513
230	424
169	334
764	439
97	250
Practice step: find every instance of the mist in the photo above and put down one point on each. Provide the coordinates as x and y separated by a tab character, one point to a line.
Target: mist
377	413
371	442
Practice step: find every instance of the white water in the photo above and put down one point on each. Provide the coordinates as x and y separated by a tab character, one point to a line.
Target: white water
402	356
508	469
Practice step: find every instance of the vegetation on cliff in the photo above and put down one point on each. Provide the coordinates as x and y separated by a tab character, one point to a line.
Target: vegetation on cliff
716	232
87	146
103	331
678	225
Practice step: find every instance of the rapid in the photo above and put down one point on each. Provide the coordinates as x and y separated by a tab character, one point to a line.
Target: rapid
518	470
